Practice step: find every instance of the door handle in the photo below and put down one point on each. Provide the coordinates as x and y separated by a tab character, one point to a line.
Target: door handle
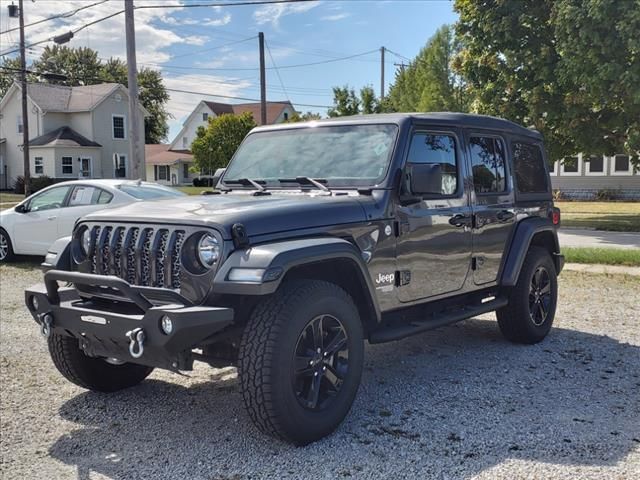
460	220
53	217
505	215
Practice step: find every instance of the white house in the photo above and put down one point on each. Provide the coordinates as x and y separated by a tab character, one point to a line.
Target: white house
277	112
75	132
168	167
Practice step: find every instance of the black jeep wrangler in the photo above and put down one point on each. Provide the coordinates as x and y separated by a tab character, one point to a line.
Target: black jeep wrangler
320	235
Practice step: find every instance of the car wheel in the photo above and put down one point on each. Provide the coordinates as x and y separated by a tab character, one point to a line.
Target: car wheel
6	248
301	359
532	302
95	374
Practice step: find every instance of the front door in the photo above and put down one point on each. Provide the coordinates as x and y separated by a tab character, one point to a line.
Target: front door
86	168
492	204
434	243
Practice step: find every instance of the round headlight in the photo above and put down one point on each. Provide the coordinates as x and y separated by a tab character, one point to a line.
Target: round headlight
208	250
85	240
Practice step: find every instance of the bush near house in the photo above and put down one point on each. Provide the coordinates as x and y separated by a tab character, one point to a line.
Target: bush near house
37	183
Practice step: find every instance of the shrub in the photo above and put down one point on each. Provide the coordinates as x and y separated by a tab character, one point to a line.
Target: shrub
557	195
18	186
38	183
607	194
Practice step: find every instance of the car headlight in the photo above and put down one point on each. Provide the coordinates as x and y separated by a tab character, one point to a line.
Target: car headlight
208	250
85	241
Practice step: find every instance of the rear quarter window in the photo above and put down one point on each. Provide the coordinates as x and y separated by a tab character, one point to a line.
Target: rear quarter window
531	174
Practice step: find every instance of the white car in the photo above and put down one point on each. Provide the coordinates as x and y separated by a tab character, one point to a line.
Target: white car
35	223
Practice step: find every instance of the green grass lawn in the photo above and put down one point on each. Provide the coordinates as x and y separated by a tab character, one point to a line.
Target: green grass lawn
9	197
612	216
604	256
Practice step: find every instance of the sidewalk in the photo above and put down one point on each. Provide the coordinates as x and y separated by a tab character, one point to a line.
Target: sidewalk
610	269
577	237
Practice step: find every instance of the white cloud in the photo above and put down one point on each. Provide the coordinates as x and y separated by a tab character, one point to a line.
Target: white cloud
335	17
274	12
218	22
196	40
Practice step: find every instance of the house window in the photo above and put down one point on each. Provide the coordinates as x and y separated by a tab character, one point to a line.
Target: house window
570	166
622	165
67	165
596	165
121	166
555	169
39	166
205	116
163	172
286	116
488	159
185	142
185	170
119	127
19	124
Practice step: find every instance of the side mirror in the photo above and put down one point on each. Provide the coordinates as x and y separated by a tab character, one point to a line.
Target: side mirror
216	176
425	178
22	208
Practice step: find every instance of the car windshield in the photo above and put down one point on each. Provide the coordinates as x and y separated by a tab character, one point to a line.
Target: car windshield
346	155
150	192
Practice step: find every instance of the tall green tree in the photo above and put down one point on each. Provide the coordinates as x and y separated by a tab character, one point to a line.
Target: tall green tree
305	117
347	102
571	68
368	100
430	83
214	145
80	66
9	71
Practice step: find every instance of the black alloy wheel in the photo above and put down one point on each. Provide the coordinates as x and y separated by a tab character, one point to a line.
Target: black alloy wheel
321	362
540	296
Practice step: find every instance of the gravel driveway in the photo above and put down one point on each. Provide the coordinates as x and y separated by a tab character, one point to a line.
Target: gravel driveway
458	402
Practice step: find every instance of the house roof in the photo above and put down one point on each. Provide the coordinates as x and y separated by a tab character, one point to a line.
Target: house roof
159	154
62	137
274	109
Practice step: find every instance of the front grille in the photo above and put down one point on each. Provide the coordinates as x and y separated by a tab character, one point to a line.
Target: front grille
143	256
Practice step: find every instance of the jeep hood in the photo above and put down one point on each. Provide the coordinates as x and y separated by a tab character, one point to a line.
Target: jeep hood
259	214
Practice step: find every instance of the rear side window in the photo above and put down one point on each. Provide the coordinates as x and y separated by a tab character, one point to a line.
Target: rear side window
488	164
531	176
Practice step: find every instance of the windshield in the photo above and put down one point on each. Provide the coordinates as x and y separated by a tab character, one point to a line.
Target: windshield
347	155
150	192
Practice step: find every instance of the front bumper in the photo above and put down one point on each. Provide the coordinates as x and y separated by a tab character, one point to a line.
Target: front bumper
103	327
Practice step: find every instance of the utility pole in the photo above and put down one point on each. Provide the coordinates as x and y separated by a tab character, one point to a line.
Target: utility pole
25	110
263	82
136	150
382	49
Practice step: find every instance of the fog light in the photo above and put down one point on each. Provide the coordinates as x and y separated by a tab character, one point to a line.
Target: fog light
253	275
34	302
167	325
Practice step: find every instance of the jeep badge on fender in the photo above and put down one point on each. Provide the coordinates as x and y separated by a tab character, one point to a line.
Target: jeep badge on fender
319	236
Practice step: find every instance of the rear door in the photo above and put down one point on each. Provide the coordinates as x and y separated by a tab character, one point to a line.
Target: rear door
434	242
492	200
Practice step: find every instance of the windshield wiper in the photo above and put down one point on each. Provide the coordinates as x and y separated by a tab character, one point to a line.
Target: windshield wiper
316	182
262	190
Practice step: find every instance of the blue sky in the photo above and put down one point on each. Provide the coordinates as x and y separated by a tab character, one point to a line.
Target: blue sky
212	50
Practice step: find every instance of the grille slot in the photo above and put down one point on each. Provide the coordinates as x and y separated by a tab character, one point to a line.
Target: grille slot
141	256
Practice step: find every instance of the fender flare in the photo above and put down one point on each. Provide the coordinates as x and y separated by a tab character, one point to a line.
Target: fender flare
519	246
281	257
58	255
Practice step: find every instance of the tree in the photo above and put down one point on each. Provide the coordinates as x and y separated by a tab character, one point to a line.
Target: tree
9	72
305	117
429	83
215	145
568	67
80	66
346	102
369	101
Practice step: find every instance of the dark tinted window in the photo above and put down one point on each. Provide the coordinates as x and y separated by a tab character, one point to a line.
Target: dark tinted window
531	175
596	163
621	163
440	149
488	164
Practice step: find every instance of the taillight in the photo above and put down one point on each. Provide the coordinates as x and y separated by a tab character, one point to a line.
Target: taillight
555	216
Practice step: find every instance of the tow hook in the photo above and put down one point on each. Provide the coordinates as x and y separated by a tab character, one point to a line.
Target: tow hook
136	339
45	326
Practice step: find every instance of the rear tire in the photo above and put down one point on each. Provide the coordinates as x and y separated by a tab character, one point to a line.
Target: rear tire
92	373
291	390
532	302
6	247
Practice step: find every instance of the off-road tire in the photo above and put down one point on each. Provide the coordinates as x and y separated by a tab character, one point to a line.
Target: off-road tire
92	373
267	359
515	320
9	256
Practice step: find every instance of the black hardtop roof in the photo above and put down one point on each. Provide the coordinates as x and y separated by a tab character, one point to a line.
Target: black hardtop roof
441	118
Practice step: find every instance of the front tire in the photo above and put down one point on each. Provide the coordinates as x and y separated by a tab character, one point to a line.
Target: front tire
92	373
6	247
301	359
532	302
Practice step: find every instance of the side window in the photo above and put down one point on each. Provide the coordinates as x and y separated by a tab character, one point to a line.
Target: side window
86	195
53	198
119	130
531	176
488	164
436	149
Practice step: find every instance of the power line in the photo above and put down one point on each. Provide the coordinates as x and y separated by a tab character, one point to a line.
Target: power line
55	17
222	4
197	52
278	73
398	55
